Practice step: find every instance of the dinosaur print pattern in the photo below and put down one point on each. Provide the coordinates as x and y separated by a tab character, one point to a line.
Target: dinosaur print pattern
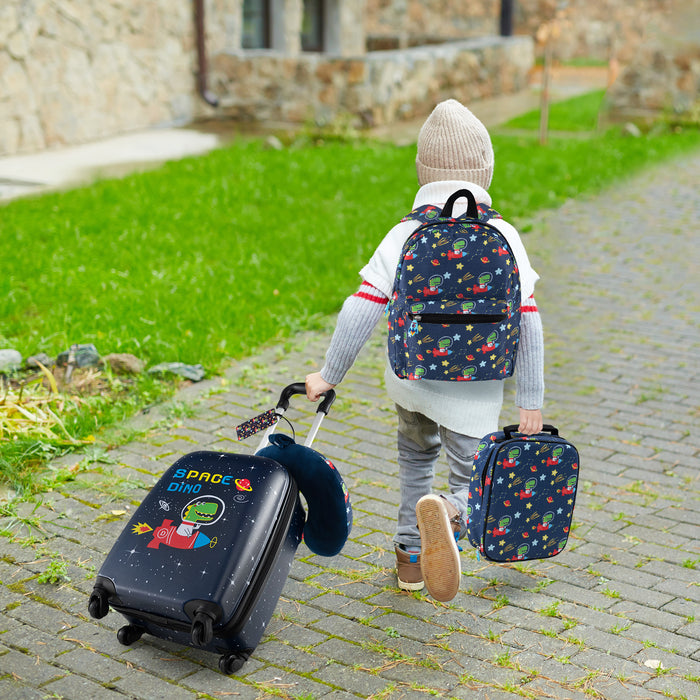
454	313
522	495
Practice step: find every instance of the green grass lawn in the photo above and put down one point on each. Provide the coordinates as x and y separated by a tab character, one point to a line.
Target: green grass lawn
577	114
203	259
211	257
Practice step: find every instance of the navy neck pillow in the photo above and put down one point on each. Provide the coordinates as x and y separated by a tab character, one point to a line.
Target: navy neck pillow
329	519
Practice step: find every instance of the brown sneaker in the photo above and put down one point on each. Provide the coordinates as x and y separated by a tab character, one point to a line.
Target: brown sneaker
408	570
438	520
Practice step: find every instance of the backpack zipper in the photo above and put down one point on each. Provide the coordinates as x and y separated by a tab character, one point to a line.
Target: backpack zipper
465	319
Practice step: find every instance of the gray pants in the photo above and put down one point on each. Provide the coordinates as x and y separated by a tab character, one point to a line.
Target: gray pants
419	442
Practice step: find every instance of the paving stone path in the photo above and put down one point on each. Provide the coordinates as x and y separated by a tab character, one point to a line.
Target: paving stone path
616	615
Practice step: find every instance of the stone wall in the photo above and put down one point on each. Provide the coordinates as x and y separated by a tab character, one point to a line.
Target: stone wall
72	71
343	26
404	23
653	45
77	70
377	88
661	71
592	30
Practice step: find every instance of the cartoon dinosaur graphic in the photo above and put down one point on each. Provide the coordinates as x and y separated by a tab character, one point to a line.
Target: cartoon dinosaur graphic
204	510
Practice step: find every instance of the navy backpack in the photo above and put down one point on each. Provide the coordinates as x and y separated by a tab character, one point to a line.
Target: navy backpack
454	313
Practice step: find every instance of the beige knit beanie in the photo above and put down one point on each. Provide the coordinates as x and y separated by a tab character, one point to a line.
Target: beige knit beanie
454	145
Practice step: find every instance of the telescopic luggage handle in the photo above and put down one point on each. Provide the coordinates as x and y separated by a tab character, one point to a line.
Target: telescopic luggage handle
283	405
546	428
300	388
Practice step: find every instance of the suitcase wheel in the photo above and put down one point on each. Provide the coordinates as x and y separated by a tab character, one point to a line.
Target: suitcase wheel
98	606
202	630
230	663
129	634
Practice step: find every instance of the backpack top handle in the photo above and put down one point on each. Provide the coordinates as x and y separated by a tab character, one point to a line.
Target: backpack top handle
472	210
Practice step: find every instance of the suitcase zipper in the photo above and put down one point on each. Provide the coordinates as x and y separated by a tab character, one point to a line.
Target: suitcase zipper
256	585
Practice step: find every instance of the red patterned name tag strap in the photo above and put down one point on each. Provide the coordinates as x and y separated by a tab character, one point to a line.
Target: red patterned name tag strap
256	424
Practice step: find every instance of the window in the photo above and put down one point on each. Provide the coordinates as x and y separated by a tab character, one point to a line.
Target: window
256	24
312	38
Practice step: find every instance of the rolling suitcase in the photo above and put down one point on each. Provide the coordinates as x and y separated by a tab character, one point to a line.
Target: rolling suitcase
522	494
203	560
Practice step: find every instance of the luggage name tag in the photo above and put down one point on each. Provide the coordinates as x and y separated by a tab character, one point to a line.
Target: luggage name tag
256	424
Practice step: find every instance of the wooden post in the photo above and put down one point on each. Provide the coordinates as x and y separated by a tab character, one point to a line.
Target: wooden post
544	96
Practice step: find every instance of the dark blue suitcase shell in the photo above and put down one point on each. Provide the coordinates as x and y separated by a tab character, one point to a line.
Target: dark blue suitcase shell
522	495
204	558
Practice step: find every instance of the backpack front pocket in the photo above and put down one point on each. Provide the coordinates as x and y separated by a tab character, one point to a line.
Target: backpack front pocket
457	339
458	311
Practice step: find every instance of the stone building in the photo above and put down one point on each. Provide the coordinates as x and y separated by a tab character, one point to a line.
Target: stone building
73	71
343	63
660	67
653	46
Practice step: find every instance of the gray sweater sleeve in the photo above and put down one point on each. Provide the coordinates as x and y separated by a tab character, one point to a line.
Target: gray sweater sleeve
360	314
529	367
355	324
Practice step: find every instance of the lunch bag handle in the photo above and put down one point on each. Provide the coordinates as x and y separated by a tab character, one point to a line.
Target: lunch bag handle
546	428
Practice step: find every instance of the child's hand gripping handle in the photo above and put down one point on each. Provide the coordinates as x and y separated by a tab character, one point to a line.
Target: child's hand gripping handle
283	405
546	428
300	388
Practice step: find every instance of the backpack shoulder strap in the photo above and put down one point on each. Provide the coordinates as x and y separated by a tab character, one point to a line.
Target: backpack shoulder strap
428	213
486	212
424	214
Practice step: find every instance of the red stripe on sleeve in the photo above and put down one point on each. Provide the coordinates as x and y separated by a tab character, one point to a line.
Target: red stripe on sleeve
370	293
529	306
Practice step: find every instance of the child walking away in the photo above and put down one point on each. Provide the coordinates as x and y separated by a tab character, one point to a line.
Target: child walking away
461	316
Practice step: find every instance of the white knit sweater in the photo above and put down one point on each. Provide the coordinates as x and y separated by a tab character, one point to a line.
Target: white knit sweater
469	408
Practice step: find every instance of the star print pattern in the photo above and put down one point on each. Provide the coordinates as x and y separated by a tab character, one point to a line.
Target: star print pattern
256	424
521	495
456	299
